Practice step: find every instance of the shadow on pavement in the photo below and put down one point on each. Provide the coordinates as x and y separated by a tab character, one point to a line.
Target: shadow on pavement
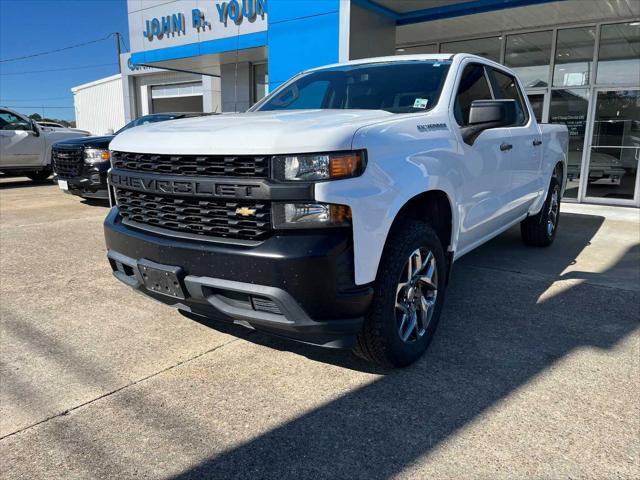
95	202
22	182
499	329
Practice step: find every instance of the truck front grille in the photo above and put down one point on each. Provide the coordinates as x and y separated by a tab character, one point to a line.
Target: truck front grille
193	165
66	162
208	218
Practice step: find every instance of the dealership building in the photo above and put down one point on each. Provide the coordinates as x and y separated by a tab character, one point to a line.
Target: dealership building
579	61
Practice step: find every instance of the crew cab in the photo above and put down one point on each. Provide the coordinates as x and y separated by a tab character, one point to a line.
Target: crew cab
80	164
331	212
25	146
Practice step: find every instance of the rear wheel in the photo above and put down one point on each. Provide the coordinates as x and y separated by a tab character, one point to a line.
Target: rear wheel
540	230
408	298
40	175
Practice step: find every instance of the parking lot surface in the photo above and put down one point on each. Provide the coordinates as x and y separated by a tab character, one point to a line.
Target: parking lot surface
533	371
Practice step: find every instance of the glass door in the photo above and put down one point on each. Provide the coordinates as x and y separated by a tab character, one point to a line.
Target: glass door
570	106
614	150
537	99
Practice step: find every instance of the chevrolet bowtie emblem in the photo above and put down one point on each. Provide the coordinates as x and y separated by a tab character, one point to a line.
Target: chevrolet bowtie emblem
245	211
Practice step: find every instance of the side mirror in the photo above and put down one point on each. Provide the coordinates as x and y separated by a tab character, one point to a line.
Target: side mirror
496	112
485	114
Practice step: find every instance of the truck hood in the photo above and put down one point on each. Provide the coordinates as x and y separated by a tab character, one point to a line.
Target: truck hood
88	142
262	133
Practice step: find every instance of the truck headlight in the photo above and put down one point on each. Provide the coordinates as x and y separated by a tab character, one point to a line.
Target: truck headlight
96	155
310	215
320	166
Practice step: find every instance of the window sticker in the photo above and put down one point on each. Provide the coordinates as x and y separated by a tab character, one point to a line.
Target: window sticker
421	103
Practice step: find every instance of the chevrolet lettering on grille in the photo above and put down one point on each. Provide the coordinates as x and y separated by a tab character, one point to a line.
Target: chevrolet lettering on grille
183	186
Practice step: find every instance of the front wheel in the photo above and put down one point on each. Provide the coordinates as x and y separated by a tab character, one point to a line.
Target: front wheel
40	175
408	297
540	230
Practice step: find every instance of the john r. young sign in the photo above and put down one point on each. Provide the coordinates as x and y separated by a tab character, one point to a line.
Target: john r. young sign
233	12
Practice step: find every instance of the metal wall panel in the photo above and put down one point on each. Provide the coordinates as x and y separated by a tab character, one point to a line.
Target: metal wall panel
99	106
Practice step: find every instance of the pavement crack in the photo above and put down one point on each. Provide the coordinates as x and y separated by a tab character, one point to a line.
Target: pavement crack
119	389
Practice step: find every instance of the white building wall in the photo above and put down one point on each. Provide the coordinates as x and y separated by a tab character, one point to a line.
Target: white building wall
99	105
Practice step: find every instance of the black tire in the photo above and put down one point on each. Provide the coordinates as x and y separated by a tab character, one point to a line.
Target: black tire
536	230
380	341
40	175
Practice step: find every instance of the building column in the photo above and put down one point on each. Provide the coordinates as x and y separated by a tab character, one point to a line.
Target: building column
236	86
371	34
211	94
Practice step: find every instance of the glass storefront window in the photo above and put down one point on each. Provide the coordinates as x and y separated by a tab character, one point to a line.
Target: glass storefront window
260	81
570	107
615	145
484	47
574	57
529	55
619	54
432	48
537	104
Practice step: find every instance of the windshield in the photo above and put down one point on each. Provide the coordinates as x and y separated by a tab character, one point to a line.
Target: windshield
397	87
147	119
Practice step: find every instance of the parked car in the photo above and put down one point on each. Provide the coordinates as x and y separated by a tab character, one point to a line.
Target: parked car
25	147
332	211
50	124
80	164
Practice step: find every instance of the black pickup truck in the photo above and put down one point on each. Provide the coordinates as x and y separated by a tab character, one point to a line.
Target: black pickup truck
80	165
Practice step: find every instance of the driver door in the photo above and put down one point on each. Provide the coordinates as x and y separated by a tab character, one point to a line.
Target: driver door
483	162
22	144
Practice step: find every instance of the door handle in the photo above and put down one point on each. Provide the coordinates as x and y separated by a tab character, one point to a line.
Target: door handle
505	146
537	142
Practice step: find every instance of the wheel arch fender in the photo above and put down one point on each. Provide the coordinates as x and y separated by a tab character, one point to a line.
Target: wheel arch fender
376	206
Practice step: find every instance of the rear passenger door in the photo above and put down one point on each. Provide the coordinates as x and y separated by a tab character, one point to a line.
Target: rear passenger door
526	157
485	178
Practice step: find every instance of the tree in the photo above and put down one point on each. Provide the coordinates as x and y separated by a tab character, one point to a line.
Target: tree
35	117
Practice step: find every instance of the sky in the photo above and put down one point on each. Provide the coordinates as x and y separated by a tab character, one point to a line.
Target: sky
33	26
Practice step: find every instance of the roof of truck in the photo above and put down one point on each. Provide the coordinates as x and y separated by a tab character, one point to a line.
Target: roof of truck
404	58
390	58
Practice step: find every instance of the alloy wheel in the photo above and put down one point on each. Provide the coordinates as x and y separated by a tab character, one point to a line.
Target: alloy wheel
554	209
416	295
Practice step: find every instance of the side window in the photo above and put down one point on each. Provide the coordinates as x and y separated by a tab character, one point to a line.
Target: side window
473	86
9	121
506	87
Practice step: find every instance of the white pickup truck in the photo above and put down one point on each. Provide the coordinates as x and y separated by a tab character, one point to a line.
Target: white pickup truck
25	146
331	212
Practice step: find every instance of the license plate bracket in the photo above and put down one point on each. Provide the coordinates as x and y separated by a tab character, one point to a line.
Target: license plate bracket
163	279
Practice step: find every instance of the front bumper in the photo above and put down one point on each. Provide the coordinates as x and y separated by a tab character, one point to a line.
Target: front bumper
299	285
91	183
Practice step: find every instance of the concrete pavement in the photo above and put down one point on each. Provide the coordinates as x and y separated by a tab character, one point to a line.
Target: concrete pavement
533	371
